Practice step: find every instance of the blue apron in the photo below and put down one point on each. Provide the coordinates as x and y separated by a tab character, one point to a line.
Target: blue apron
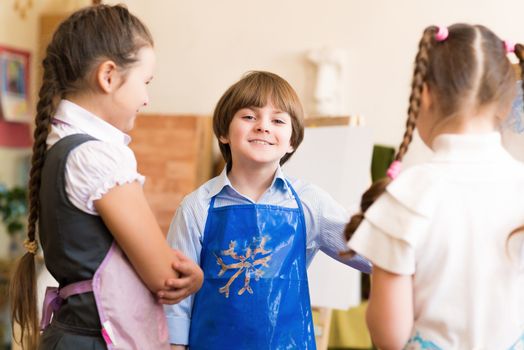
255	293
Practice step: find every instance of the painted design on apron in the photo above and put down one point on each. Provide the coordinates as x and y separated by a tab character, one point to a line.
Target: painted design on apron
251	264
256	286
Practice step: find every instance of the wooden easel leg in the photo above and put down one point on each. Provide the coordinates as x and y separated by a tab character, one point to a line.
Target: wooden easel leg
322	326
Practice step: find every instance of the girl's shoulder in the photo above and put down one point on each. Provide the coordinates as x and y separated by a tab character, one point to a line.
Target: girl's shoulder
418	188
94	167
406	209
96	160
97	153
420	176
515	168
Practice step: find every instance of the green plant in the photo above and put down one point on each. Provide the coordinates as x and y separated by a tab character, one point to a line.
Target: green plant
13	208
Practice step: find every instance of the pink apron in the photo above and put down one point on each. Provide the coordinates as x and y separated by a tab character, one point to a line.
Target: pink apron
131	317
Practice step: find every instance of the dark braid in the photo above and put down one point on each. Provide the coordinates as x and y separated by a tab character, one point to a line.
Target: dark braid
46	107
80	42
417	84
419	76
24	287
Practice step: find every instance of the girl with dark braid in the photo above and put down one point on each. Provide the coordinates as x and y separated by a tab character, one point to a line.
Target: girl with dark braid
100	239
445	237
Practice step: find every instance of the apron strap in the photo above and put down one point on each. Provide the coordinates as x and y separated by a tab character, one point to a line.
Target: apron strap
54	298
212	202
297	199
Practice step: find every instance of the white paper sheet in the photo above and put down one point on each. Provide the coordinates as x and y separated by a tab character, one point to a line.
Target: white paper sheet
337	159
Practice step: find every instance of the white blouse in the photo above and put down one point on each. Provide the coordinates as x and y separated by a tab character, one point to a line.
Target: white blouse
94	167
447	223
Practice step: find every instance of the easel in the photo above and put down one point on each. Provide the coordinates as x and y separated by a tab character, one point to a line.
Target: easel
322	315
340	133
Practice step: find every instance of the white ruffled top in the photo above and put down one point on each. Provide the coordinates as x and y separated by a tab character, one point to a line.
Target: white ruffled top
94	167
447	222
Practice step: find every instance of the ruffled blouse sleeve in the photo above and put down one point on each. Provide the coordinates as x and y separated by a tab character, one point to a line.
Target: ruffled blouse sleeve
397	223
95	167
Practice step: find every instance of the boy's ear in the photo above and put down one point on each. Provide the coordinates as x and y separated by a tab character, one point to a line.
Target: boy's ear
223	139
107	76
291	149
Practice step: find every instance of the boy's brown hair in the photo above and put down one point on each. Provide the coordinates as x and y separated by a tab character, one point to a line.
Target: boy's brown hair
257	89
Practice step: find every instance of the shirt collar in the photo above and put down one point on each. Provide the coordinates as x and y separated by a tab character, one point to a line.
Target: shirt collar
468	147
74	115
279	182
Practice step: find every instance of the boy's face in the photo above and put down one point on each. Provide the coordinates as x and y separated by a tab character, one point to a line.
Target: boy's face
259	136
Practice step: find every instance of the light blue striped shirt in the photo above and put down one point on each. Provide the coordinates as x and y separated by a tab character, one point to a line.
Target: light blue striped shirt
325	221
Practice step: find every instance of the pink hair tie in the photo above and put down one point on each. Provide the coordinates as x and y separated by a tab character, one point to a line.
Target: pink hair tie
442	34
394	169
509	46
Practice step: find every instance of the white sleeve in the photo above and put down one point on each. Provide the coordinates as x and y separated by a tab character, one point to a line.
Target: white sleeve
184	236
93	168
387	236
398	221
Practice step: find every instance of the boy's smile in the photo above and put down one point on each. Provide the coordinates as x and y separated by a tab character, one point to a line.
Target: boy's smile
261	142
259	135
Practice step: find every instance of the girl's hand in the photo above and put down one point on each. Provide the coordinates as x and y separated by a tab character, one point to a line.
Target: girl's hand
178	347
189	281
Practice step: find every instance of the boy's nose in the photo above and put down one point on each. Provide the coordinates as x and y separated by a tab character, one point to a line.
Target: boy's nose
262	129
263	126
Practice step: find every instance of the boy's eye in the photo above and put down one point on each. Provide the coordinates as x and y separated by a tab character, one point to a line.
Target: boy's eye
248	117
279	121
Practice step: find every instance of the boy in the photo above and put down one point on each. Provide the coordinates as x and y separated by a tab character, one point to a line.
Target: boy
253	231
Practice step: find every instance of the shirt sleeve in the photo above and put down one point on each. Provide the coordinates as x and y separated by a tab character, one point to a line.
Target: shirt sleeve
95	167
184	235
326	220
398	221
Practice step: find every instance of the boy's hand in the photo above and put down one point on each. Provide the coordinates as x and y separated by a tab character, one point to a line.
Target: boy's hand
189	282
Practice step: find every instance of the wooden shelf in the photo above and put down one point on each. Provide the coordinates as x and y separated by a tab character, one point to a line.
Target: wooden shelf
174	153
326	121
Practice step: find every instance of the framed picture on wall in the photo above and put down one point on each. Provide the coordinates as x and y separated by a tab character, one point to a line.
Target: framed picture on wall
14	84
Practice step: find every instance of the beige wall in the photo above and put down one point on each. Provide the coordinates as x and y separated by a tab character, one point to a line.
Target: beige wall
204	46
